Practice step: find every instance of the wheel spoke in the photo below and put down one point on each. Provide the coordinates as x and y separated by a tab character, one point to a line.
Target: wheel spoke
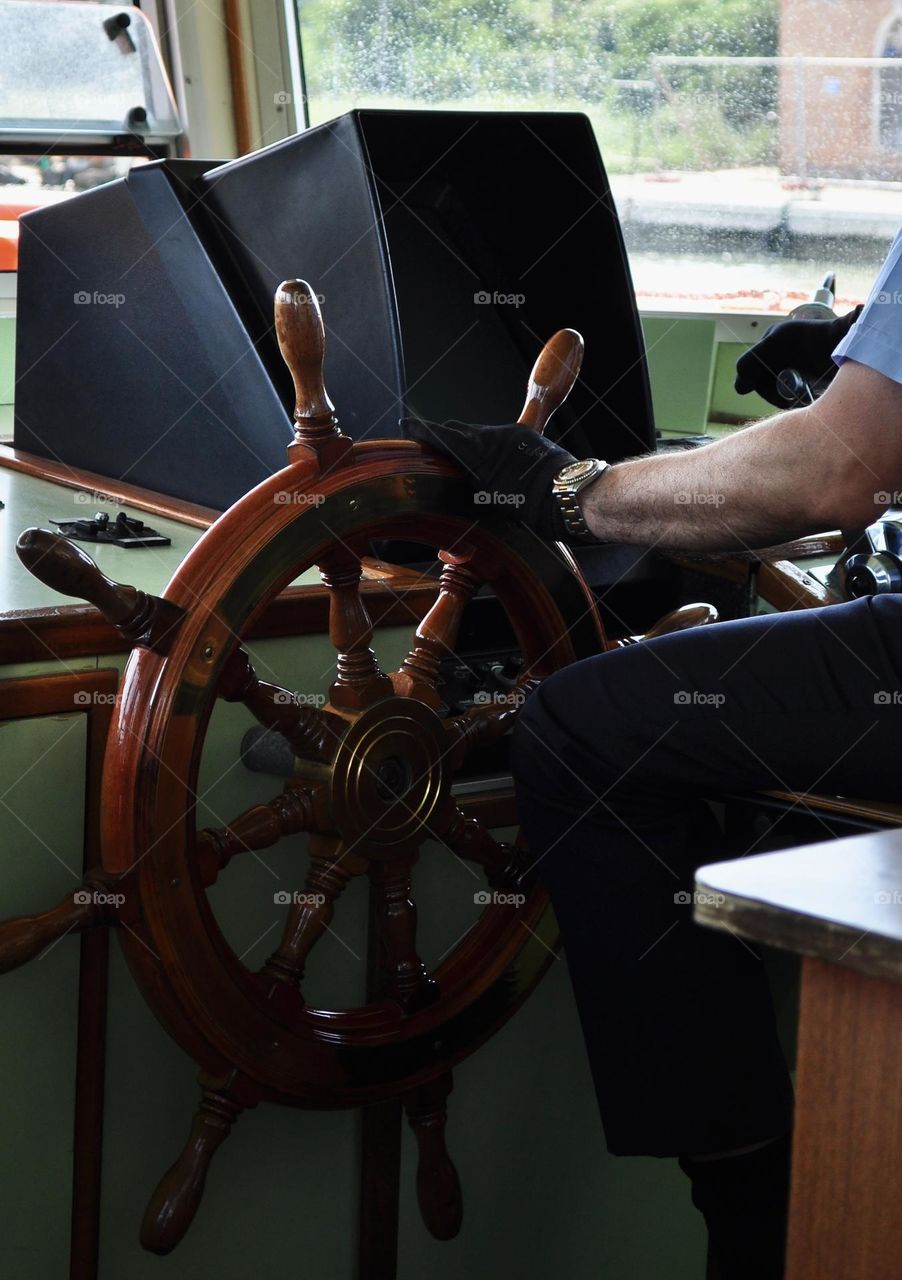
438	1186
402	974
298	808
437	634
175	1201
483	724
359	680
331	870
469	839
312	734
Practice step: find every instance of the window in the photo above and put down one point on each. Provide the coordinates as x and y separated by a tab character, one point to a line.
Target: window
83	96
889	100
751	149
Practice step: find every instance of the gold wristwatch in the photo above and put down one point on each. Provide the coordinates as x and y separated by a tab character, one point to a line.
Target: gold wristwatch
567	485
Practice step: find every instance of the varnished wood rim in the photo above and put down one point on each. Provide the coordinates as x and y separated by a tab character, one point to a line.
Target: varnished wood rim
187	971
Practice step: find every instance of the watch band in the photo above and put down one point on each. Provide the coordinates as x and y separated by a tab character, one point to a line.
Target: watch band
573	516
567	485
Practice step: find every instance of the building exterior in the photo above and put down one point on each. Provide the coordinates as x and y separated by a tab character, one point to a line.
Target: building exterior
839	120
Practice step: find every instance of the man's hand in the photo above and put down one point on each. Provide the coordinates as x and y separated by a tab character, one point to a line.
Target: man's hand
509	468
803	345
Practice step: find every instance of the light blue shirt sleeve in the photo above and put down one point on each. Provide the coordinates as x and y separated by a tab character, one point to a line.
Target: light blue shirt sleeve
875	338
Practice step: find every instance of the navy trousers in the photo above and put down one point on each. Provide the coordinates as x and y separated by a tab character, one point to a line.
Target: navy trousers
614	759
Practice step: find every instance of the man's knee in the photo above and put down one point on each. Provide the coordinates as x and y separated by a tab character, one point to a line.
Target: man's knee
565	742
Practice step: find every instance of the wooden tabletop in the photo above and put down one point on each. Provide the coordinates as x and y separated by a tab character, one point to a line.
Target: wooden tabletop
840	901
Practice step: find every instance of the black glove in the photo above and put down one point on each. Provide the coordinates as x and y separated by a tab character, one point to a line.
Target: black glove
803	345
510	469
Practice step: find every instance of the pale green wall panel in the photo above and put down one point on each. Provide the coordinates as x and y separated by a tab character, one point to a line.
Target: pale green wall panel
41	816
680	356
7	358
724	397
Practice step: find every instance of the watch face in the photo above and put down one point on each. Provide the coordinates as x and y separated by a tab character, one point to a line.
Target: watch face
575	471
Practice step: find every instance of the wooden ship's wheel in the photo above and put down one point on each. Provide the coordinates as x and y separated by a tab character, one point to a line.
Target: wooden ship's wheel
372	781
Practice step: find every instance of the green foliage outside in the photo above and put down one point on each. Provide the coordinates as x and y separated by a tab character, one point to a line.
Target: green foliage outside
587	55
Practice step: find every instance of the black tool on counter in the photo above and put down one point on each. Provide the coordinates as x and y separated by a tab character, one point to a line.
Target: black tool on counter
124	531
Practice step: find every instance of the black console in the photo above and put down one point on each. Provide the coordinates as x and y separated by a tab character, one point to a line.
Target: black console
447	248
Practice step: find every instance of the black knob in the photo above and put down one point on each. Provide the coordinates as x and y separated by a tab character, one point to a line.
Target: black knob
870	575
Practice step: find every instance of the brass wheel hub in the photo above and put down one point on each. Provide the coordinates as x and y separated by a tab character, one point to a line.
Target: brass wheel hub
389	774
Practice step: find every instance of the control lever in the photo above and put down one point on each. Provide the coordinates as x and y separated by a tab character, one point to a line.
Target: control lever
791	385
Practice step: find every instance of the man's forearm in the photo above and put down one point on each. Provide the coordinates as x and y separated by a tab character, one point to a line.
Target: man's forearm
771	482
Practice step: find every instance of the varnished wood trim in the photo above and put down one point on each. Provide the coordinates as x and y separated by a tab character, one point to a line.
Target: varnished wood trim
238	77
871	810
787	587
79	631
132	495
815	544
